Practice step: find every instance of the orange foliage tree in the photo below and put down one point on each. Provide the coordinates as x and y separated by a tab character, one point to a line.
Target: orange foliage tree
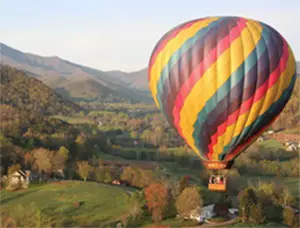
157	197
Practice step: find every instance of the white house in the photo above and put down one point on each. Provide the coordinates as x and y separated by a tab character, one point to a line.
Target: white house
200	214
233	211
18	179
260	139
291	147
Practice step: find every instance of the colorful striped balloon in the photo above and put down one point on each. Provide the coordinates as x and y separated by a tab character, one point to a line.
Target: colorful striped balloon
220	82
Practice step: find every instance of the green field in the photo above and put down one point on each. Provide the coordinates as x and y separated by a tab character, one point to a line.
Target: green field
102	204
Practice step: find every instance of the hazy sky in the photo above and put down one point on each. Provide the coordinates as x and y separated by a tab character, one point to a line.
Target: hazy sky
120	34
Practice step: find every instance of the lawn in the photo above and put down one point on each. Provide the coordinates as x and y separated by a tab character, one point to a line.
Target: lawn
101	204
271	144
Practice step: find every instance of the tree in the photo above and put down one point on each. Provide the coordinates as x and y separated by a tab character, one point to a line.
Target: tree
43	160
63	151
107	177
189	200
80	146
100	174
136	205
183	183
28	159
30	144
257	213
11	169
157	197
290	218
247	198
83	169
58	161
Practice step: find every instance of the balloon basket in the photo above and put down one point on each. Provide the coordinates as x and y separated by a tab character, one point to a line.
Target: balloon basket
217	187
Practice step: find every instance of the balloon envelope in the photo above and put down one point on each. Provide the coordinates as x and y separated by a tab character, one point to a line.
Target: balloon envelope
220	81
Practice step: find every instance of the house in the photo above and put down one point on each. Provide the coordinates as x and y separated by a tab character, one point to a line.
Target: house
260	139
116	182
200	214
291	147
233	211
18	179
120	182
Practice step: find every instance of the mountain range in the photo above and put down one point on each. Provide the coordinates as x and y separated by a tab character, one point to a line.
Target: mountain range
78	82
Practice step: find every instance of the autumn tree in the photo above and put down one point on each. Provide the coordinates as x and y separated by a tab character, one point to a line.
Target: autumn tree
137	177
28	159
157	197
58	162
189	200
43	160
64	152
290	218
11	169
83	169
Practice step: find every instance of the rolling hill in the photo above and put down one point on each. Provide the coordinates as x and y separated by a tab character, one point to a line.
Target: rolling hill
61	74
88	90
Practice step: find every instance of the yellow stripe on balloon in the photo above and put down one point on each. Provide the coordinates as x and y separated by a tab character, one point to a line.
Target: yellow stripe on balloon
263	104
172	46
255	31
208	85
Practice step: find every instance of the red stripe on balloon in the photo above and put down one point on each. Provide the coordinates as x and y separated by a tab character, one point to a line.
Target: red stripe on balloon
201	68
166	40
246	106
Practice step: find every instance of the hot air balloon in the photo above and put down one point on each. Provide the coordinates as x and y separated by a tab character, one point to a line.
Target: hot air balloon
220	82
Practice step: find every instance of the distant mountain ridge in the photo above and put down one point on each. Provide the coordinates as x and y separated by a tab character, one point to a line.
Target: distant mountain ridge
59	73
81	83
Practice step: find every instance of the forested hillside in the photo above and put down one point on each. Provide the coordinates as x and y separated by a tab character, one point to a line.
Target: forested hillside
290	116
29	94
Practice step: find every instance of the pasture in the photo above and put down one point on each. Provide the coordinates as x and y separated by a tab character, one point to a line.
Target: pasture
67	203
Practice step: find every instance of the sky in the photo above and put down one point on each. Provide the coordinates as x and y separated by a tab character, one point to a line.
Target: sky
121	34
